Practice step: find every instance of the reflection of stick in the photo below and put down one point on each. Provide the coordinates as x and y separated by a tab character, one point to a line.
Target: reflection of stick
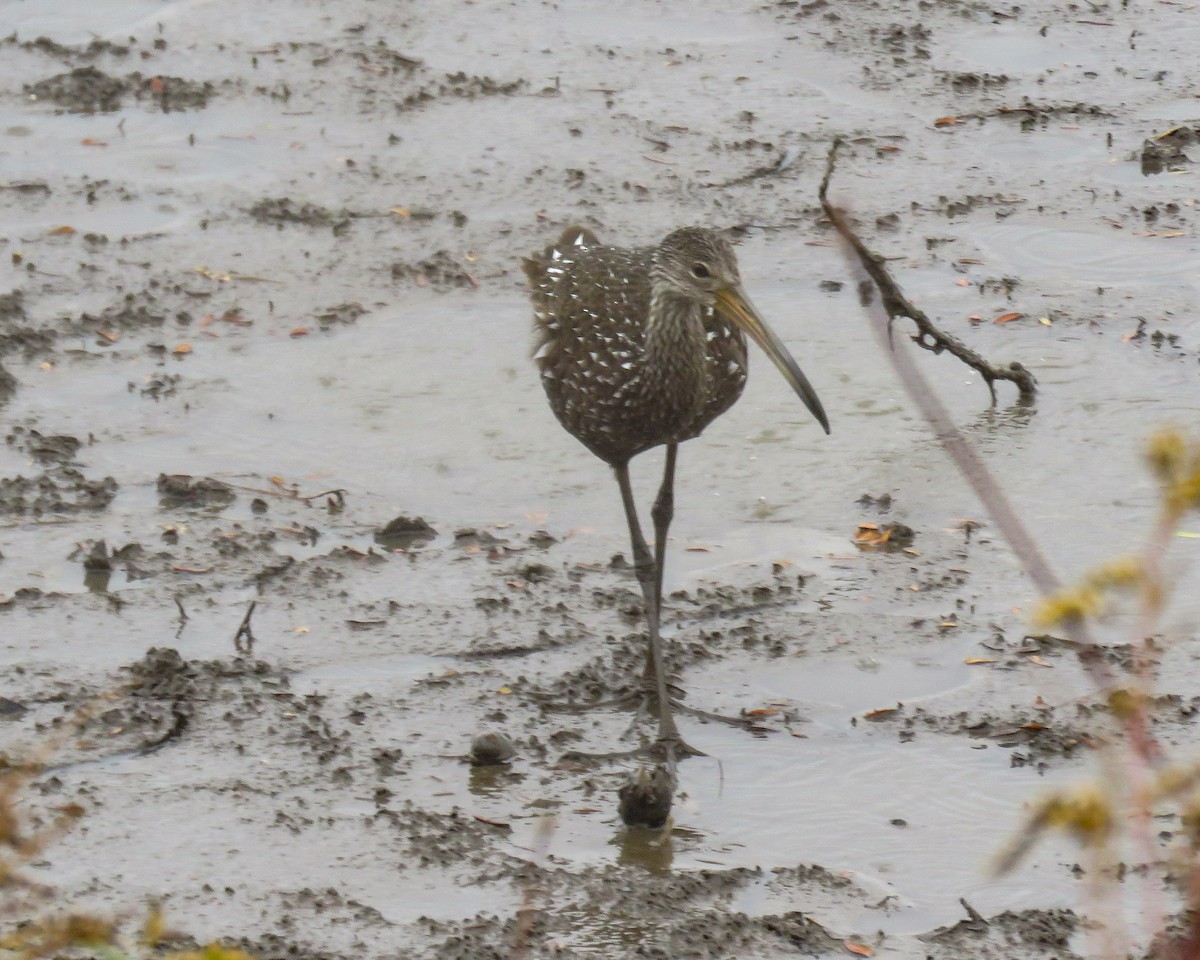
243	640
527	913
897	304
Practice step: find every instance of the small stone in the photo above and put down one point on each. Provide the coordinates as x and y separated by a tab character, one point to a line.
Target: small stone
490	749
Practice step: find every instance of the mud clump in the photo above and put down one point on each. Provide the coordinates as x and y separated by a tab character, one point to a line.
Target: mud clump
1042	932
404	532
90	90
62	51
82	90
442	271
1171	152
344	313
460	85
162	674
61	489
45	449
134	312
15	337
281	210
180	490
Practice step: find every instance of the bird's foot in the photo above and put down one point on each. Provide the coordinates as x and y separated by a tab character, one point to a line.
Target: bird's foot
666	749
751	724
645	798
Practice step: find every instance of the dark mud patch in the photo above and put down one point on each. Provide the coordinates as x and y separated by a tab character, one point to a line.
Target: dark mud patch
460	85
622	909
404	533
91	90
72	53
1040	737
16	337
158	703
45	449
177	490
428	838
60	488
1171	152
341	315
135	312
1027	933
285	210
441	271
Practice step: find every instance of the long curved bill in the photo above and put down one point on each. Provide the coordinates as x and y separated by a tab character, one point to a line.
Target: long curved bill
735	306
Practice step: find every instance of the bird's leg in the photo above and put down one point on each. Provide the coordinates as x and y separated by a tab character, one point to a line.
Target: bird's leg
650	579
662	514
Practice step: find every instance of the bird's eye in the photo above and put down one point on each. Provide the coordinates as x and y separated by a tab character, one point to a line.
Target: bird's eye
700	271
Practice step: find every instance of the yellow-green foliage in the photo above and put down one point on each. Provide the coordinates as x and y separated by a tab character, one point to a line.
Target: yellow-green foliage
1175	461
1090	813
37	923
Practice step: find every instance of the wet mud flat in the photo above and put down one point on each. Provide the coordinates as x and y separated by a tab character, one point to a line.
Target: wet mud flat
262	299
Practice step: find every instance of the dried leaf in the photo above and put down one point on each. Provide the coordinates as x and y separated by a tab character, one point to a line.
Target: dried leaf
861	949
881	714
182	349
972	661
63	231
946	121
505	691
299	332
1008	317
1039	661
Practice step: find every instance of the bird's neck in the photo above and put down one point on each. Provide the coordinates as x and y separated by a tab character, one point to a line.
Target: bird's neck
675	352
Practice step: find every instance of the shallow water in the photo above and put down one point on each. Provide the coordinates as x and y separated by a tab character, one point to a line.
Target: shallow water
427	406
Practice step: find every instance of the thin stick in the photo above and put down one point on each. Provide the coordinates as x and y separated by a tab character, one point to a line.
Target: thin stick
928	336
243	640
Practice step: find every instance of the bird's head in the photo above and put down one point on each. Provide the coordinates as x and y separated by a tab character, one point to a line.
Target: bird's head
698	265
694	263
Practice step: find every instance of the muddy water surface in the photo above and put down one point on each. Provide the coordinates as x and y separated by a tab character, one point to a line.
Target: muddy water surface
291	268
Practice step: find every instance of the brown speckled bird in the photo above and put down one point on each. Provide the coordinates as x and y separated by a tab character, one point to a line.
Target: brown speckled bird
643	347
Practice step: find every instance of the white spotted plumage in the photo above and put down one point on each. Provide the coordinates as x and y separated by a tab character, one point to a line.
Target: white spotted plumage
599	314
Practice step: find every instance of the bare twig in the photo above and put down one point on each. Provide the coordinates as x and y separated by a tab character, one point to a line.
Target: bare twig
897	304
243	640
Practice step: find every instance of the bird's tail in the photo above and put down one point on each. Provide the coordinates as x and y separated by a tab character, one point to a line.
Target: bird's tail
539	267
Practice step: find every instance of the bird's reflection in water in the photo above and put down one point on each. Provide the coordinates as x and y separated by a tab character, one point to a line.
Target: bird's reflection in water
492	781
653	850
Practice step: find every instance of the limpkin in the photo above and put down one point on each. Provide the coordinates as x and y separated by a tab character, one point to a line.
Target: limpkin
640	348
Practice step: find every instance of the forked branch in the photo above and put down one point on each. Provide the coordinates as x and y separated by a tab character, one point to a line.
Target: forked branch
897	304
